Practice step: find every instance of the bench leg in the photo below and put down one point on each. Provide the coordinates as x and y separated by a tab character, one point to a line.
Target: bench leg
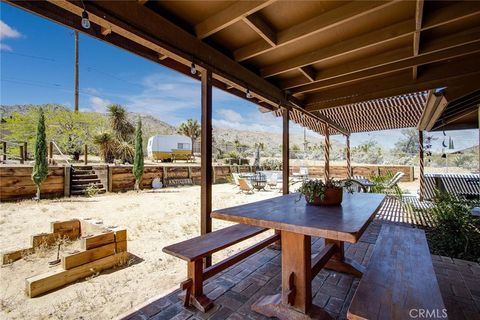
194	287
340	263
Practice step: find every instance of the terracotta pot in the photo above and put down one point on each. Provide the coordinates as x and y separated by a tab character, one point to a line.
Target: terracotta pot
332	197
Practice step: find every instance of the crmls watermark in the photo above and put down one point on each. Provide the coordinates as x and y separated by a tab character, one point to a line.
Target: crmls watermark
427	313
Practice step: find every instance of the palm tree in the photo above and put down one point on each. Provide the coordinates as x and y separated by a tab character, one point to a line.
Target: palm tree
191	129
118	120
106	143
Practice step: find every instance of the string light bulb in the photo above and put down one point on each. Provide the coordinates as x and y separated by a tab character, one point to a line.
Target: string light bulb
85	21
193	70
248	94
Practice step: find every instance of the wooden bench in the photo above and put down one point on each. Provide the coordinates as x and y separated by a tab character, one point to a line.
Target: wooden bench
399	282
194	250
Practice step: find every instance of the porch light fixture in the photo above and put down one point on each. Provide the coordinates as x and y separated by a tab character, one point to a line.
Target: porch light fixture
248	94
85	21
193	70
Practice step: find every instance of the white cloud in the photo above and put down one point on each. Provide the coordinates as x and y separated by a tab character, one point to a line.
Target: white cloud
8	32
99	104
4	47
230	115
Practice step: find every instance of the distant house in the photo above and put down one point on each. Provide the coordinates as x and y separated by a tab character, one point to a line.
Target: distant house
169	148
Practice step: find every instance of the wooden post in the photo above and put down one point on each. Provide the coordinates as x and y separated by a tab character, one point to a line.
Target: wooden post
110	178
50	151
22	155
422	165
349	163
327	153
206	159
25	152
85	155
4	156
285	151
67	181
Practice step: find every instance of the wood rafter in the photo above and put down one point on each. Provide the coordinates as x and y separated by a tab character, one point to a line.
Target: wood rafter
308	72
393	66
453	73
374	38
262	28
416	35
317	24
234	13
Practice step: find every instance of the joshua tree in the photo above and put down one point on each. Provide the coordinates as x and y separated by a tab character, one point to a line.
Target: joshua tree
40	166
138	160
122	128
191	129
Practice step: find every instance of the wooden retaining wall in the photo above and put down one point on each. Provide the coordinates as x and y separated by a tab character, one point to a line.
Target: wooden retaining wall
16	183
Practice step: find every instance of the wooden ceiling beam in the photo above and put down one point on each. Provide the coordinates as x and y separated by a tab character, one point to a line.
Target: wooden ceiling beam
434	107
261	27
321	23
453	73
416	35
374	38
308	72
232	14
436	56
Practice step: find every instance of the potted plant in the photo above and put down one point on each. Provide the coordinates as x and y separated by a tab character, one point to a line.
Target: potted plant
319	193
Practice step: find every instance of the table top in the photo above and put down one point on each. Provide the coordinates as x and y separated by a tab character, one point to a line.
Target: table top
346	222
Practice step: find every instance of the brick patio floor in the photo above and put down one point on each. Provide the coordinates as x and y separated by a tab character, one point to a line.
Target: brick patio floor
234	290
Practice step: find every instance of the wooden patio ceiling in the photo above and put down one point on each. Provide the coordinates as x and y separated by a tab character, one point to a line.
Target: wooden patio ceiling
308	56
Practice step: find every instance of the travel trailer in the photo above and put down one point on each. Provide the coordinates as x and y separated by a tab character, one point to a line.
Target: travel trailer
168	148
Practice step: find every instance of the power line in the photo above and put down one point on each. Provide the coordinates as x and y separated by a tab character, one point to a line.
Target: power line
31	56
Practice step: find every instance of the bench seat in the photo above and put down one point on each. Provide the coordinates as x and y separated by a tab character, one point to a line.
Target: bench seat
194	250
399	280
203	246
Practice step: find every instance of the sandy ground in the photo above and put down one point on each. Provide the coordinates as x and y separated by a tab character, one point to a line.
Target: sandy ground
153	220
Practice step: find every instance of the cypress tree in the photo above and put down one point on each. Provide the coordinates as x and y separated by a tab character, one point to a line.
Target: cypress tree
138	160
40	165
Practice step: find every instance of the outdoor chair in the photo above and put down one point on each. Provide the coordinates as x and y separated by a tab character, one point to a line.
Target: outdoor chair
273	181
235	177
245	185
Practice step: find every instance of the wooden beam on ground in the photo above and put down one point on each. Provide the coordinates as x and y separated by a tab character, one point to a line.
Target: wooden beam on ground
99	240
51	280
234	13
73	260
393	61
416	35
321	23
381	36
206	158
262	28
285	151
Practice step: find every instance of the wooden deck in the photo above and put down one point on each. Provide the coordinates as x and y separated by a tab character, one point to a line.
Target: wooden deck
234	290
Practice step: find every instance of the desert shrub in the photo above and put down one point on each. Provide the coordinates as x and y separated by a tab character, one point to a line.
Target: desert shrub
381	181
233	155
456	233
92	190
272	164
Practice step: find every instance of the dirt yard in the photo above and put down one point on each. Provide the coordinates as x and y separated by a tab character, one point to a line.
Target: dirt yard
153	220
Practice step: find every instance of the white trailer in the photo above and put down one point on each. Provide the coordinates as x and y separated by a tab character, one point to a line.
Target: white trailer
169	147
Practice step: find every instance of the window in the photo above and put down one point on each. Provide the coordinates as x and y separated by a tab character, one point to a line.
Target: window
183	146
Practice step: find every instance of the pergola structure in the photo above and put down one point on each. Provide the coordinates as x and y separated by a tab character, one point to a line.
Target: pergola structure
336	67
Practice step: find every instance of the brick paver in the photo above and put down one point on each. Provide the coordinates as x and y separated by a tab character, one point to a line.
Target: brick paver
235	289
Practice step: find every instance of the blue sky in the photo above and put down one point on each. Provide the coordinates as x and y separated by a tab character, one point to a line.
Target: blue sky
36	57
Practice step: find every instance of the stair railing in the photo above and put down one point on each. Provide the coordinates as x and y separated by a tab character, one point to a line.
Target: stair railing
64	157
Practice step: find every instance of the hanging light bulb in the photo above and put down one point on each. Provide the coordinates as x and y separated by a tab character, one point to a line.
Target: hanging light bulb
85	21
248	94
193	70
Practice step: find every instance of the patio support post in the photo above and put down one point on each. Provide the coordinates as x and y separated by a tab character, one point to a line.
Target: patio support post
349	164
206	158
327	153
422	165
285	151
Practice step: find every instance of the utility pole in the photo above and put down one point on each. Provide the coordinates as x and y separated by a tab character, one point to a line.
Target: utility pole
76	73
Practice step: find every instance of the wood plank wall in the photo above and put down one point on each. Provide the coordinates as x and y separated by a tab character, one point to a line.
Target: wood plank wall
16	183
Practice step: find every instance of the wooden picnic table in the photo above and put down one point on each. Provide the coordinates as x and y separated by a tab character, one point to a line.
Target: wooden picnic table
298	222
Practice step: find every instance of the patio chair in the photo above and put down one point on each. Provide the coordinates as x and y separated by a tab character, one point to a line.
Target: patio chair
235	177
304	171
393	182
273	181
245	185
